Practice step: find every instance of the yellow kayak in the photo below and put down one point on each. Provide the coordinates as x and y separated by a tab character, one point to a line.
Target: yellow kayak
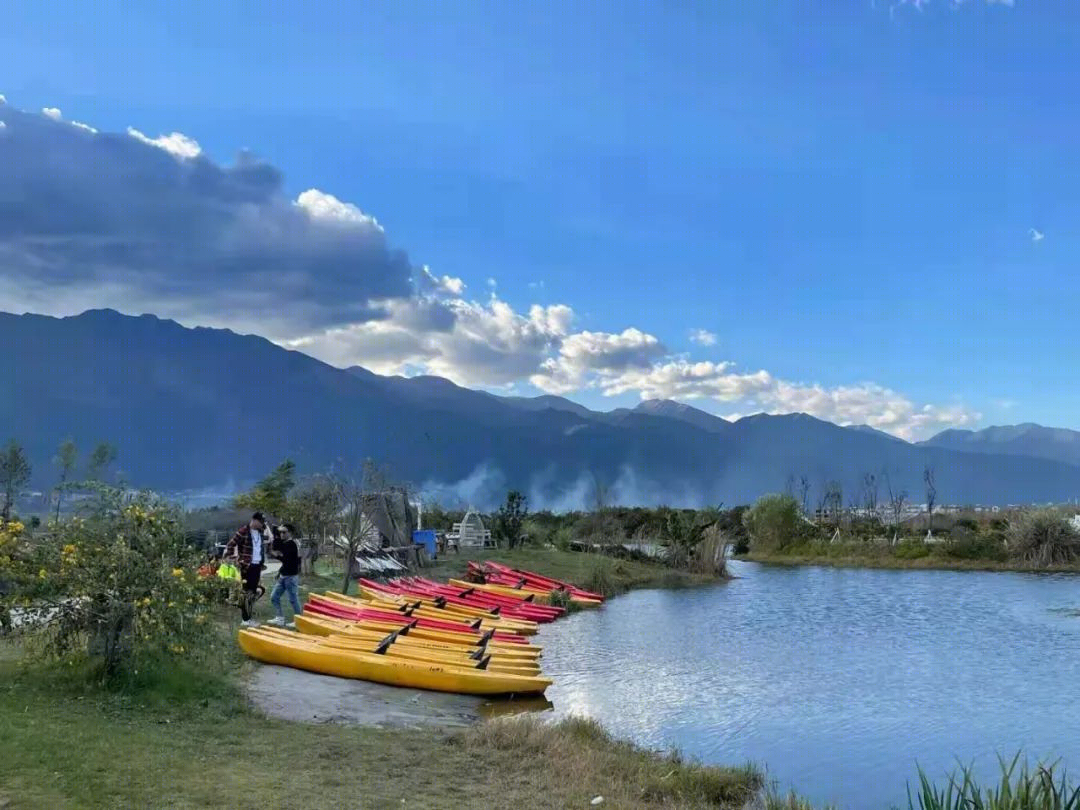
301	654
318	626
412	652
427	609
440	635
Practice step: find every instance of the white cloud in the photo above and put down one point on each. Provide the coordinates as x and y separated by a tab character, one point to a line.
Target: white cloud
86	127
1036	235
492	283
3	99
469	342
536	285
53	113
702	337
328	208
448	285
3	126
175	143
865	403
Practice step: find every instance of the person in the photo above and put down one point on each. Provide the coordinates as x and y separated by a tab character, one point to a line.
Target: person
287	550
249	547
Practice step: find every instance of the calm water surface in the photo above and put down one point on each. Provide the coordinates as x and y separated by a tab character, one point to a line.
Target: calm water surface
838	680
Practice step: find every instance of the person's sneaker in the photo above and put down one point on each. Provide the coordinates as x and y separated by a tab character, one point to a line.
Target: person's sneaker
291	625
249	623
277	621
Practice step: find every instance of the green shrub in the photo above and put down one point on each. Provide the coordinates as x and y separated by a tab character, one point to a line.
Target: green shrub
118	584
911	550
969	546
1043	537
773	523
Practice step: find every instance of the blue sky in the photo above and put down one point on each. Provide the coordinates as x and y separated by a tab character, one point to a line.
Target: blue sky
841	192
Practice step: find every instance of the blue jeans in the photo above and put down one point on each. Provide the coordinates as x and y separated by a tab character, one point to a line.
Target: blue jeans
289	585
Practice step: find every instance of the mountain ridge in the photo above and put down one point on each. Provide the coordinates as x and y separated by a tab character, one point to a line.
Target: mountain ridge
194	407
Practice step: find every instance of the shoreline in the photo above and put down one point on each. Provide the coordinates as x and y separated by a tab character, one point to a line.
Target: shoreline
927	563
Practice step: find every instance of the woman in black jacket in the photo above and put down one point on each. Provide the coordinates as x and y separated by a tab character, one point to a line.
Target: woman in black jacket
287	550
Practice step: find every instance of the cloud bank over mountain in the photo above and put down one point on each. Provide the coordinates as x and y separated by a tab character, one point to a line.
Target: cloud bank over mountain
150	223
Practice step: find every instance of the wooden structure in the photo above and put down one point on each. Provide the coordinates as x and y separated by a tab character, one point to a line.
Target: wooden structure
470	533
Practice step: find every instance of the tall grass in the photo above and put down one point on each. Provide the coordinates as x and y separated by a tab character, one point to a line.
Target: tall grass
1024	789
1018	788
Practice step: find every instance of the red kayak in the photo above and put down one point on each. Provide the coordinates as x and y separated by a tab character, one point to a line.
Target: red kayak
338	610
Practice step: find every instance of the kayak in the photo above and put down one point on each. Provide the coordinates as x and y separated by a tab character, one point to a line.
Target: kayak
390	645
426	608
341	610
314	626
425	633
447	607
297	652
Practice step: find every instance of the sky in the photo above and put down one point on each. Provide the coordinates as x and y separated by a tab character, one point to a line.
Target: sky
863	210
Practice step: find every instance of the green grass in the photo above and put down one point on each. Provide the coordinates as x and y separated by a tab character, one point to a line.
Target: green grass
905	555
186	738
581	569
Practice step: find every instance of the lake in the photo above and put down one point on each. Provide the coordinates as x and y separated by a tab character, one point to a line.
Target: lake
839	681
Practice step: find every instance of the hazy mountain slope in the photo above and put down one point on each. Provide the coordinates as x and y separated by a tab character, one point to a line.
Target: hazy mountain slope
201	407
1057	444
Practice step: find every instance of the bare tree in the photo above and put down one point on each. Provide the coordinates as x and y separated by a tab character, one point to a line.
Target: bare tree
804	491
315	507
896	505
601	493
870	493
65	459
931	498
834	502
789	485
354	523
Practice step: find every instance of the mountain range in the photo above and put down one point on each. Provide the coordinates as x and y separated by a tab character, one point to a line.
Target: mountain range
208	408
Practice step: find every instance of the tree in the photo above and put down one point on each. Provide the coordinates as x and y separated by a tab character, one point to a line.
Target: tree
511	516
15	473
271	494
773	522
354	522
315	507
120	584
931	498
804	491
834	502
65	459
870	494
789	485
896	505
104	455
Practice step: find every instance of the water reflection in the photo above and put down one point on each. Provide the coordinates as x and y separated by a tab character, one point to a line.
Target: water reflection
511	706
837	680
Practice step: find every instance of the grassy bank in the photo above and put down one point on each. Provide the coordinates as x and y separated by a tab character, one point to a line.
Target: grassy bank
907	555
594	572
187	739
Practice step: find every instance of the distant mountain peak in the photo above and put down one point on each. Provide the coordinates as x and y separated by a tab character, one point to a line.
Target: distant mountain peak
671	409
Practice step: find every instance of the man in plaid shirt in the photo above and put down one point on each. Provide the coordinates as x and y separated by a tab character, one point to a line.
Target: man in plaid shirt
249	547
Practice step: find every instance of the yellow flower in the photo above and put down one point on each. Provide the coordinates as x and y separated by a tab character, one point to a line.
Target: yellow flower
178	572
42	574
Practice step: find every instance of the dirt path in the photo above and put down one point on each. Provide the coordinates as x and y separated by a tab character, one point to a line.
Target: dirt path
293	694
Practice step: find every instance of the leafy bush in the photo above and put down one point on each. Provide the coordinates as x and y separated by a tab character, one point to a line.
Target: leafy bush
971	546
1043	538
911	550
118	584
773	523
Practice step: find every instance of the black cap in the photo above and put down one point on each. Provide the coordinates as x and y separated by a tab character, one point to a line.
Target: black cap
259	517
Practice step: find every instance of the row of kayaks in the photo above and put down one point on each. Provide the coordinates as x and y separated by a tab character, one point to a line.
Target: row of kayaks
460	636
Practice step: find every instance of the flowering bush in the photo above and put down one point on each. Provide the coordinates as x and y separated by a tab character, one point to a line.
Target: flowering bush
118	582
